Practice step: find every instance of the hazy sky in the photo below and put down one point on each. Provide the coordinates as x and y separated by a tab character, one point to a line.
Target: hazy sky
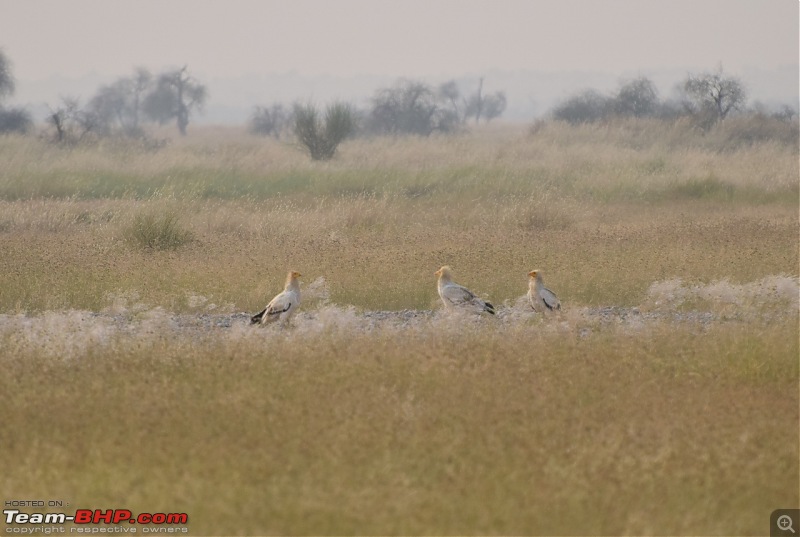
398	38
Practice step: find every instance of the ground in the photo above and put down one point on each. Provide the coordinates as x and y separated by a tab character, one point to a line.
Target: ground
663	399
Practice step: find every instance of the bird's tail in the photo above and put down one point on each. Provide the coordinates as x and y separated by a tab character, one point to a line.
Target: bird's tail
488	307
255	319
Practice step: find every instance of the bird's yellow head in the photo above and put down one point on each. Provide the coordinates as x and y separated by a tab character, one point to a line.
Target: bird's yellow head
533	274
293	275
444	271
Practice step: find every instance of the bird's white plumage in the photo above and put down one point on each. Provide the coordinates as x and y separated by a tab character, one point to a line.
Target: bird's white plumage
542	299
458	296
283	306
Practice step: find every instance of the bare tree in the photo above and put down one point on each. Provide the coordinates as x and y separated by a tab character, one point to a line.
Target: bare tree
409	107
450	93
109	105
487	107
474	105
494	105
119	104
269	120
11	119
176	96
72	124
413	107
7	85
714	93
139	84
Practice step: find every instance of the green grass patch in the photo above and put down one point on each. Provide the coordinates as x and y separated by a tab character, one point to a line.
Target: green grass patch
706	188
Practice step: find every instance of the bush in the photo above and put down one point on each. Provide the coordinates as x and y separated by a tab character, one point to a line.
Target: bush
412	107
269	121
15	120
322	138
586	107
73	124
637	98
750	129
158	231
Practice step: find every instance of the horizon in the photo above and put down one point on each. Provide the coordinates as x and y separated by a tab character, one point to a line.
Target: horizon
531	94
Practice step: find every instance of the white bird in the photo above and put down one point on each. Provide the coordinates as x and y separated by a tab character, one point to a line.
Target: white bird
542	299
283	306
454	295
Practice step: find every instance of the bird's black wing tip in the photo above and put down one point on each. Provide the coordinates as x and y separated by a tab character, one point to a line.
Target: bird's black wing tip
255	319
278	312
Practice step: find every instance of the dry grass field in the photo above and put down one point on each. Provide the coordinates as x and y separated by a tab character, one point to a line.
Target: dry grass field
663	399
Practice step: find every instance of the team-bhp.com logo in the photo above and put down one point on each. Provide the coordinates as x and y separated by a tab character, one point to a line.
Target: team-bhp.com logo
94	516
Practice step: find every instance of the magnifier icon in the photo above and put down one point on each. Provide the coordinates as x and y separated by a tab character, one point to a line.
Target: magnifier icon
784	523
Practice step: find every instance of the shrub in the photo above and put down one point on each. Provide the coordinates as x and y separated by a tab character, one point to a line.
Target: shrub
158	231
637	98
586	107
15	120
269	121
755	128
73	124
321	138
411	107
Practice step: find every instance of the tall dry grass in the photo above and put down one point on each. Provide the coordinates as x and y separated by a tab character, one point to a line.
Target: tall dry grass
429	430
380	253
680	418
632	161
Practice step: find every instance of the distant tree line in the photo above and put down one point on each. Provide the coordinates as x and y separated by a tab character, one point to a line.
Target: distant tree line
409	107
706	98
413	107
118	108
124	105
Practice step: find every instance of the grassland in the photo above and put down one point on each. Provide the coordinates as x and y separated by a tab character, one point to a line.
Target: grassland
521	425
